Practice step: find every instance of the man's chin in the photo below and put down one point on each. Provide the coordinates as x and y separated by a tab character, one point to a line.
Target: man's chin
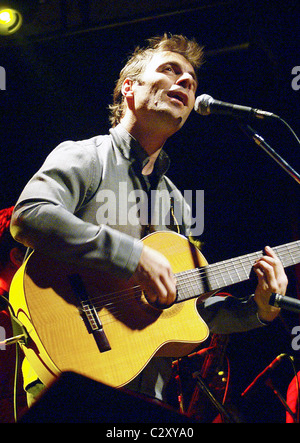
171	119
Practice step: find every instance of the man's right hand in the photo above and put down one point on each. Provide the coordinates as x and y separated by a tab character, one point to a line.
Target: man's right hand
154	275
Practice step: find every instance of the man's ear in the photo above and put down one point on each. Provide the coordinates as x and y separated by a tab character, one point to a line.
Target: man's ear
127	88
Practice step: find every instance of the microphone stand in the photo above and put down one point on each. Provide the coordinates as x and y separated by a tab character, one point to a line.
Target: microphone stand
270	384
258	139
228	418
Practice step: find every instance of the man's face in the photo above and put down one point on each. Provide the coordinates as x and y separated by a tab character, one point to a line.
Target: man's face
166	90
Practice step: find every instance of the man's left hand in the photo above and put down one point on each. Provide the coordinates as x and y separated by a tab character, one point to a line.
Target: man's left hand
271	278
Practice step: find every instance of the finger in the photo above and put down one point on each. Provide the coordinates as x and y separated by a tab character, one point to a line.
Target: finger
259	273
157	292
270	251
161	291
273	258
262	282
274	261
264	265
170	286
267	271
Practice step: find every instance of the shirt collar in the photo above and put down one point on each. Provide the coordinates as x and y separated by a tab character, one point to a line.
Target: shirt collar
133	151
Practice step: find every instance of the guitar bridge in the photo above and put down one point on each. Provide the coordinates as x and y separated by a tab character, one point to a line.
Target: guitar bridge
91	316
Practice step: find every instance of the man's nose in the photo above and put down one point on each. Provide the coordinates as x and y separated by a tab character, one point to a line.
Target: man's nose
185	80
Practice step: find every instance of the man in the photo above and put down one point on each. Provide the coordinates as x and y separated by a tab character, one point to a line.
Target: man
62	209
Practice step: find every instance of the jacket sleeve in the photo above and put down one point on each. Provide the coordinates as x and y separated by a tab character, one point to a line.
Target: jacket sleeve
45	218
228	314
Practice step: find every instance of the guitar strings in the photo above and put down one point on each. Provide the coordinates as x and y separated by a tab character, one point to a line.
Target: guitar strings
196	274
184	277
189	276
114	310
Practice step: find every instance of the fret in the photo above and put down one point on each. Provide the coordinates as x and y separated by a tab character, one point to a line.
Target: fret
228	275
216	276
244	267
289	254
221	274
235	271
188	285
244	271
212	278
238	277
230	271
192	283
291	258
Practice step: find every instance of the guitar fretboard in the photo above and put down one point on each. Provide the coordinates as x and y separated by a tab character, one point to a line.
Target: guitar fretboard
195	282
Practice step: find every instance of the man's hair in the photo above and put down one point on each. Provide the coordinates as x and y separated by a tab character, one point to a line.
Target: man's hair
138	61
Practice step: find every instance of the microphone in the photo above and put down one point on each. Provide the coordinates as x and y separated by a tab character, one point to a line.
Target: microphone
205	105
265	372
288	303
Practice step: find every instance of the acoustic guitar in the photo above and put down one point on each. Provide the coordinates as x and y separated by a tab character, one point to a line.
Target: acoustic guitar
100	326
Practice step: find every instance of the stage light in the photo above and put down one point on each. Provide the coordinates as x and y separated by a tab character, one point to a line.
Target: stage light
10	21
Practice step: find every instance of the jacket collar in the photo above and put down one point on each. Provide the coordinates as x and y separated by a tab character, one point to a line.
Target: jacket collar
133	151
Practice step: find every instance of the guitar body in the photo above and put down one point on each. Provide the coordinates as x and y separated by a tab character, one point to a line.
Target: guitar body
60	337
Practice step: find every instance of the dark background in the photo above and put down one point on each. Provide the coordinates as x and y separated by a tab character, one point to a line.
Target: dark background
60	74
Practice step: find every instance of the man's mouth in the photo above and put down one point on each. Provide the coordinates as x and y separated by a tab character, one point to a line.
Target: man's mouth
178	96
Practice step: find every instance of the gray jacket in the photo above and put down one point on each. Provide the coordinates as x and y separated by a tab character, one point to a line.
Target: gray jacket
72	204
90	203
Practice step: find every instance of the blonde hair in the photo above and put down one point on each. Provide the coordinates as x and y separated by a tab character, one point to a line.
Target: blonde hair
138	61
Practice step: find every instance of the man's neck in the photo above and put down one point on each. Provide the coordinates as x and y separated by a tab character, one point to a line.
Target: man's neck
151	140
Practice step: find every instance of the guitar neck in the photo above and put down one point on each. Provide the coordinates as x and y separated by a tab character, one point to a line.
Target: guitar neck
228	272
